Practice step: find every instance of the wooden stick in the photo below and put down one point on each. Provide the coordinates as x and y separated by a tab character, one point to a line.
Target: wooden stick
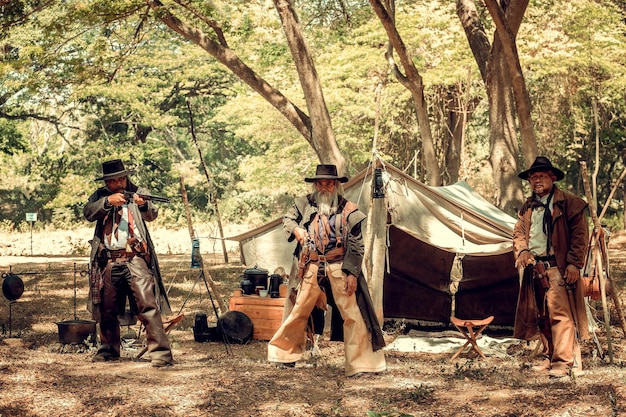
614	295
605	256
192	234
600	269
608	200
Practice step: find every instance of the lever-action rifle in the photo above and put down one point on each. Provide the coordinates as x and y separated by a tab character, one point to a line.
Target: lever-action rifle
128	195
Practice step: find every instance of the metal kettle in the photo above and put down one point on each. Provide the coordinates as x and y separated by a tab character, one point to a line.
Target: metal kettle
247	286
275	281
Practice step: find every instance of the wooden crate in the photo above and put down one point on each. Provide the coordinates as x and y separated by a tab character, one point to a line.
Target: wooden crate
266	313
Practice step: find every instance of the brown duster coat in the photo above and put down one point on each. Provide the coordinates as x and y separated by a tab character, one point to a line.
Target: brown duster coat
95	211
570	240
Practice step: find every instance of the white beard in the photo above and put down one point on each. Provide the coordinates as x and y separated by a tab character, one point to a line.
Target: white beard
326	203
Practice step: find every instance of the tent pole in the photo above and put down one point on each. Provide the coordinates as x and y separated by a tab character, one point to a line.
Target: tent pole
376	246
377	234
376	242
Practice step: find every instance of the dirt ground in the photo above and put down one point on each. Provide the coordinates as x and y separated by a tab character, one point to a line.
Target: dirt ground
41	377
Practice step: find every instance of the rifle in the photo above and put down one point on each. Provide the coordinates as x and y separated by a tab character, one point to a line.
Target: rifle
128	195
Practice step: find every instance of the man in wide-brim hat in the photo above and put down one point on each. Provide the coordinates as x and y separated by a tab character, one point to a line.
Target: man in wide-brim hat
330	253
114	169
123	265
550	242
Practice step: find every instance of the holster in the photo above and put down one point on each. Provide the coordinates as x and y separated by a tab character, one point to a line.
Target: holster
303	261
139	248
539	273
102	256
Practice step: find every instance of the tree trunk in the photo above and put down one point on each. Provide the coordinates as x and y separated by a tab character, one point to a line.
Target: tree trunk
452	124
322	135
412	81
520	93
503	138
495	71
228	58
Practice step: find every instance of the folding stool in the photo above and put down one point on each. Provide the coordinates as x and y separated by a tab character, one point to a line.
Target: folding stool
466	327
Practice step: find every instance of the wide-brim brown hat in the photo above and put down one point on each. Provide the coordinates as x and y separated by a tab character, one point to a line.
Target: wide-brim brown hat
542	164
326	172
113	169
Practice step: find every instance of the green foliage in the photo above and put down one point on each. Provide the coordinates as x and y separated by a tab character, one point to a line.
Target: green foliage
82	82
11	140
420	394
469	370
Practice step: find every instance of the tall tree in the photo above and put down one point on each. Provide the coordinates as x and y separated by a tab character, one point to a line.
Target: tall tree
322	135
518	84
495	69
412	81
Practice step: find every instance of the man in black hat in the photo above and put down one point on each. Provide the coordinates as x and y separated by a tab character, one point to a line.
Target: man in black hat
550	242
124	265
328	230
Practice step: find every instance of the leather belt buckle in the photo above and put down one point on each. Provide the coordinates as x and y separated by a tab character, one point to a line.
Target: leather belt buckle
121	256
549	264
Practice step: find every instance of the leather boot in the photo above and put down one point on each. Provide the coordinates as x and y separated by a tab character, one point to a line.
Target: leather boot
559	372
543	367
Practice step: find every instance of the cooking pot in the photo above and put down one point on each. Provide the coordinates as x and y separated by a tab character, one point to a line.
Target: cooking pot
77	331
12	286
258	276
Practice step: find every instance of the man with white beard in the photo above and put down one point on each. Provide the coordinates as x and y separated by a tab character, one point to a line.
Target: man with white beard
328	230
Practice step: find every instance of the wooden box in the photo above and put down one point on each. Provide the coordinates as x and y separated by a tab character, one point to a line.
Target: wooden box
266	313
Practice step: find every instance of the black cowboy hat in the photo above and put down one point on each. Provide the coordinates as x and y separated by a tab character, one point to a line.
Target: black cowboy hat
542	164
326	172
113	169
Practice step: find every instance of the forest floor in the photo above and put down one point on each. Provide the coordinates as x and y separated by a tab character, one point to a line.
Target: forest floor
41	377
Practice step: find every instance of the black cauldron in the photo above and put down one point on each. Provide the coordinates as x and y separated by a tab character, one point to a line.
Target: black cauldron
12	286
76	332
257	276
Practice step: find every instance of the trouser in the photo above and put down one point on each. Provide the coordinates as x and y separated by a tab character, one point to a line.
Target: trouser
288	343
134	277
558	328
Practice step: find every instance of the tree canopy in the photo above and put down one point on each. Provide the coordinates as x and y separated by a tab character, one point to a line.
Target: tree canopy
86	81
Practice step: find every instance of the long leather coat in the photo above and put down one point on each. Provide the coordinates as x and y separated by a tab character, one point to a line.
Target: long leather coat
570	240
302	214
94	211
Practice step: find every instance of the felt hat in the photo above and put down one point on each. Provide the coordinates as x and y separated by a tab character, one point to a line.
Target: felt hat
113	169
542	164
326	172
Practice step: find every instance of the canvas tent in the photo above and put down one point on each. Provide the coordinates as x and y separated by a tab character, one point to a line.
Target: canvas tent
449	250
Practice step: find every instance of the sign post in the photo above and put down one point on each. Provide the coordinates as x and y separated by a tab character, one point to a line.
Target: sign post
31	218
